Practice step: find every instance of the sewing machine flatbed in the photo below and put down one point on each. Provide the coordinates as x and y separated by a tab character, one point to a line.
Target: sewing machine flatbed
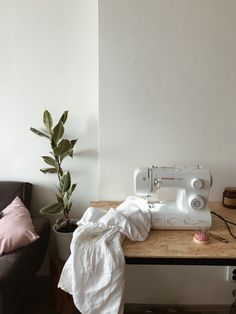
176	247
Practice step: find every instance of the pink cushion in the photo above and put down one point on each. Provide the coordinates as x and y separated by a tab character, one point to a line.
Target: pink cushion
16	228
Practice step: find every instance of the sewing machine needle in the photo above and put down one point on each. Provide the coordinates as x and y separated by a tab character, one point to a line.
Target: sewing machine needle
218	238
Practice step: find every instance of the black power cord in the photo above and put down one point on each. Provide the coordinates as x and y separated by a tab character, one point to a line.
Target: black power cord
227	222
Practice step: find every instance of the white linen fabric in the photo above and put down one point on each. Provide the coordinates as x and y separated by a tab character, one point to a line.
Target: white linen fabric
94	274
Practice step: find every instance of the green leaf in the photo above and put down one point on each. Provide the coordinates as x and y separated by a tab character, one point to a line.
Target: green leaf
53	144
71	153
63	147
73	142
39	133
65	182
66	199
50	161
68	194
57	132
68	153
52	209
63	156
47	120
73	187
64	117
59	199
49	170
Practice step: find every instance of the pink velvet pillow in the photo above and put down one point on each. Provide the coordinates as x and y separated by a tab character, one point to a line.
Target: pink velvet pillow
16	228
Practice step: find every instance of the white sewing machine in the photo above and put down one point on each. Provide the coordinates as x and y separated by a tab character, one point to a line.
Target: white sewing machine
189	210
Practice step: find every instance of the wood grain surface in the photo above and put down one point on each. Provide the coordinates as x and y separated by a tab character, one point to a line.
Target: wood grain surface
179	243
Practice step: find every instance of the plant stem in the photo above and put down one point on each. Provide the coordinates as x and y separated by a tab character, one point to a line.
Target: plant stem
60	171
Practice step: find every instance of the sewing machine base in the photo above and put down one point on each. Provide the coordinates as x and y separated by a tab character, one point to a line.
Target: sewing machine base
168	216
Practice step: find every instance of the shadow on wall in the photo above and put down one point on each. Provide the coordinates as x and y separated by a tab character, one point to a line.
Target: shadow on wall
88	142
41	196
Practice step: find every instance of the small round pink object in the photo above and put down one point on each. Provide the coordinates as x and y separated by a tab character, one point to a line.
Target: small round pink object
201	237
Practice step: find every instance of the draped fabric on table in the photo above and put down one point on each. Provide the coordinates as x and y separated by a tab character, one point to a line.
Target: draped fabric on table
94	274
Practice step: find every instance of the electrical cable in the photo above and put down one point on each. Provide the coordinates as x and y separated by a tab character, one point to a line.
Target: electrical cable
227	222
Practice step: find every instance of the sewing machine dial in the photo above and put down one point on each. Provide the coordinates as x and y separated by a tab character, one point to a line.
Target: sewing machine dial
196	202
197	183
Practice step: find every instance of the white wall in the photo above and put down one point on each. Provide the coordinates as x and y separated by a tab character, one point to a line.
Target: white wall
167	89
167	96
49	60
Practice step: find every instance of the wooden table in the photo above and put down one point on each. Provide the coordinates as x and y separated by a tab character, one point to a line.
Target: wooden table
169	247
176	247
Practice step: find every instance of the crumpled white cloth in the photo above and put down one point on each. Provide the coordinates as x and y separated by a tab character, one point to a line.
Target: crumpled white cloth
94	274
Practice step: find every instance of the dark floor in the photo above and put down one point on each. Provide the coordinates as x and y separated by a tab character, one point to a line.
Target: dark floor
163	309
40	298
40	302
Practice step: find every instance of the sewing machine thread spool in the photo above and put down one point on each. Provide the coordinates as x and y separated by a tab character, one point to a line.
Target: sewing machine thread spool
229	197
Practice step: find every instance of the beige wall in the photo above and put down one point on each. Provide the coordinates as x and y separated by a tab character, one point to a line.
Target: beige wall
49	60
167	96
167	89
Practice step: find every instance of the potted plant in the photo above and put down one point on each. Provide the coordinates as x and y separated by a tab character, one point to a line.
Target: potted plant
61	148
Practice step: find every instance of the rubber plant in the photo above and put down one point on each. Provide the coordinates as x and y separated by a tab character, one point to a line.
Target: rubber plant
61	148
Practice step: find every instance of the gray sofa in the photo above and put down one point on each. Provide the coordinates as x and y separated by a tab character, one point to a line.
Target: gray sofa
18	268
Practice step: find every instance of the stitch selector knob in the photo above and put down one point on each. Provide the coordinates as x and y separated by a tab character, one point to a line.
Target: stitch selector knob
197	184
197	202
